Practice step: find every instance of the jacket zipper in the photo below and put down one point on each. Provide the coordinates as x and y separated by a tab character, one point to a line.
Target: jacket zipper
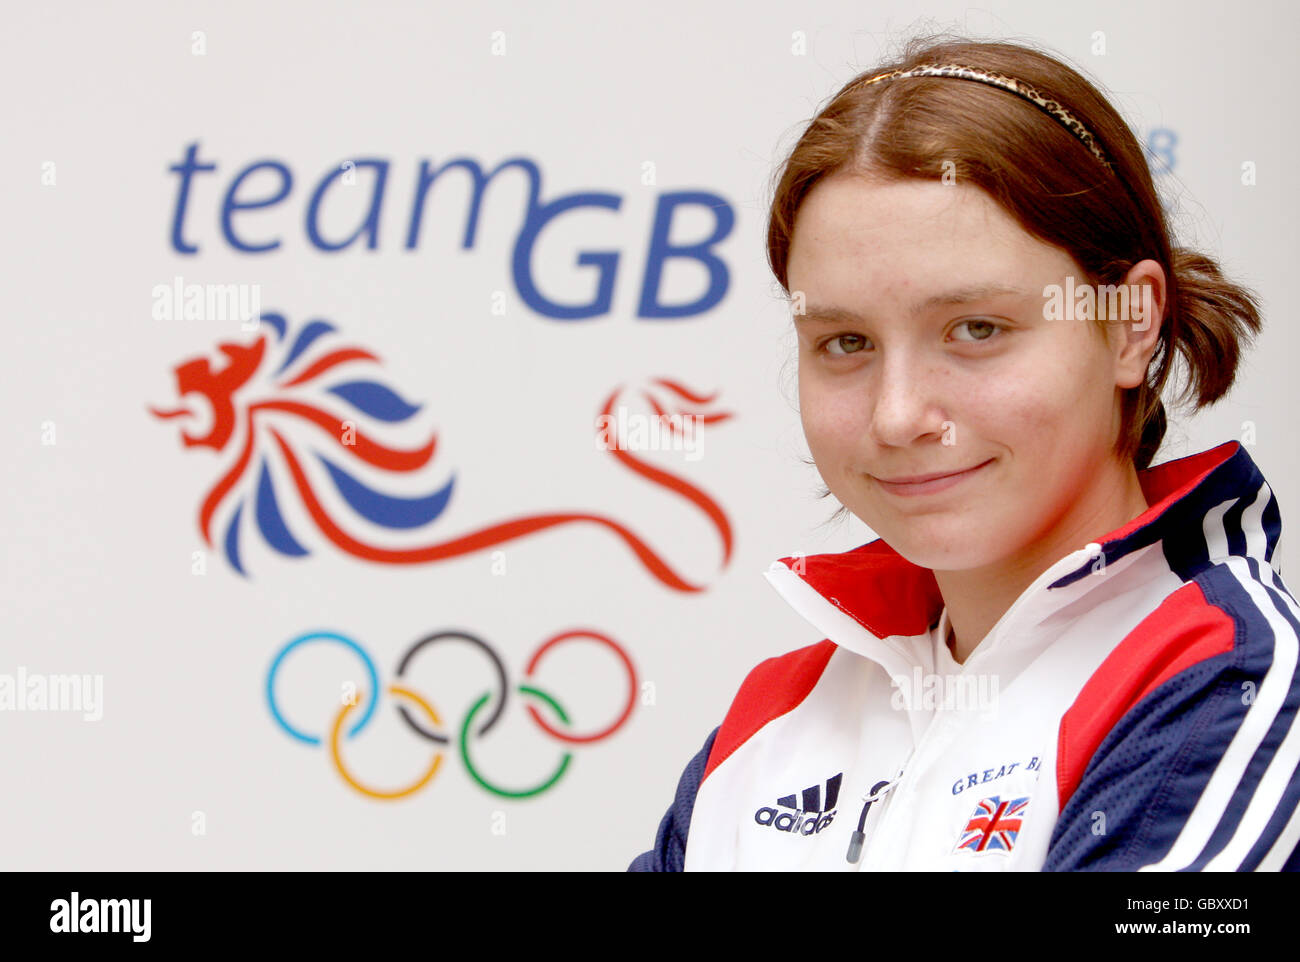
880	812
877	794
884	792
889	795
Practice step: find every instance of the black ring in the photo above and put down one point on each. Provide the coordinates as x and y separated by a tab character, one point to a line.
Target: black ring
450	636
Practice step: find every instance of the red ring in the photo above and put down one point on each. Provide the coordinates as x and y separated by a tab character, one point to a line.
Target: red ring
631	677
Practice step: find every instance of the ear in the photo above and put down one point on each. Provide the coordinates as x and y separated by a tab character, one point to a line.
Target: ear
1136	336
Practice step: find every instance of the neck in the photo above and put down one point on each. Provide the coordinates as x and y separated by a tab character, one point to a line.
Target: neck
977	598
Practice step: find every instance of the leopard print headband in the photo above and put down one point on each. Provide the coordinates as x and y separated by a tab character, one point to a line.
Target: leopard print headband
1018	87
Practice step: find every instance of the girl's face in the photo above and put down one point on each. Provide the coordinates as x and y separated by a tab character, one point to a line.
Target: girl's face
924	350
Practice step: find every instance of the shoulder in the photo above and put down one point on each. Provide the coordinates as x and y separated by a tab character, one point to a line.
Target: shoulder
669	851
1181	751
772	688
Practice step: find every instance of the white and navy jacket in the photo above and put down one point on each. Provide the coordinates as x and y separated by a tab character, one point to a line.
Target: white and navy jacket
1134	709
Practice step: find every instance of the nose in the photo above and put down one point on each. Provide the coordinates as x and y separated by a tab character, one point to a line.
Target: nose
905	398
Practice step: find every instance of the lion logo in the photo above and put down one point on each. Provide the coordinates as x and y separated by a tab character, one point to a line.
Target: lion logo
267	394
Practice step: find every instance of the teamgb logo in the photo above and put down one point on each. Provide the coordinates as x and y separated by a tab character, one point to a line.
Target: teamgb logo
807	818
271	398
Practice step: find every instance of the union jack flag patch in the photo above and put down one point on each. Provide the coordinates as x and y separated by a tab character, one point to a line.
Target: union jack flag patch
994	826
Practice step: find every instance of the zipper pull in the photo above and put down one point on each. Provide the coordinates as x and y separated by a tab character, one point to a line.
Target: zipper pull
859	837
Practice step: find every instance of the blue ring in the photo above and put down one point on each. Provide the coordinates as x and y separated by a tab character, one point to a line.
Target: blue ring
328	636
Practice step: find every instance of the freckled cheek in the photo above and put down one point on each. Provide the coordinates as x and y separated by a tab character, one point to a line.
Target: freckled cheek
1025	402
836	431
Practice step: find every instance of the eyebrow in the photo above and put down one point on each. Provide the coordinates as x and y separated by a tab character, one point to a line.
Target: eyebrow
961	295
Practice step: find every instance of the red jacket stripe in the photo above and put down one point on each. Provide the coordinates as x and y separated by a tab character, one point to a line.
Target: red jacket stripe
771	689
1185	630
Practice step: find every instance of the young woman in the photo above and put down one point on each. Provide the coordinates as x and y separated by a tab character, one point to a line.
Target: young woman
1055	656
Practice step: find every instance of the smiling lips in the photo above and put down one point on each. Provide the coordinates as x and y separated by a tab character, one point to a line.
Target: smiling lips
929	483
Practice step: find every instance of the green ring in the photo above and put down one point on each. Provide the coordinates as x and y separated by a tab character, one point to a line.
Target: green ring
503	792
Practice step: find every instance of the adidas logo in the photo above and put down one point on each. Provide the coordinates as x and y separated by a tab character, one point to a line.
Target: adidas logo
805	814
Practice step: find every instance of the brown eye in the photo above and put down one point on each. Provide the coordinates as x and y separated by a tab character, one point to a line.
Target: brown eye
852	338
979	324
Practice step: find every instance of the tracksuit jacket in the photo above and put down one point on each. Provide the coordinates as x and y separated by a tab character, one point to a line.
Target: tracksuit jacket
1134	709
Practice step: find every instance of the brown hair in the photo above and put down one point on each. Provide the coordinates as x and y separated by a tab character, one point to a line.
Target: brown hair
1048	180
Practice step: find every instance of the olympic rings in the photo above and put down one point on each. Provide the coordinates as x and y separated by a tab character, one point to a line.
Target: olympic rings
404	693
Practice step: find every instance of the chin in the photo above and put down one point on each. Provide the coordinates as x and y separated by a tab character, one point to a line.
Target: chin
941	548
945	559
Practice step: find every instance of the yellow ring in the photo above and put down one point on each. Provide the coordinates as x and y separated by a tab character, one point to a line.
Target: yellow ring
373	792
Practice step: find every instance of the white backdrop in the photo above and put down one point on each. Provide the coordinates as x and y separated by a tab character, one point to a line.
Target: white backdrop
106	571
